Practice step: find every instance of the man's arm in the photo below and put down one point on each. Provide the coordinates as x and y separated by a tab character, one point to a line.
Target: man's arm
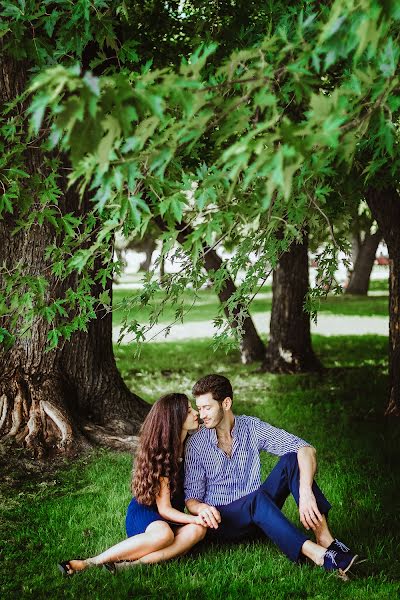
308	509
276	441
279	442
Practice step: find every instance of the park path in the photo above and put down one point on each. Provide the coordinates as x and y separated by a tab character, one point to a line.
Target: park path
326	325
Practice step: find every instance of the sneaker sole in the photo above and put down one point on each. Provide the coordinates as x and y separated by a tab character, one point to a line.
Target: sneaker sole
351	563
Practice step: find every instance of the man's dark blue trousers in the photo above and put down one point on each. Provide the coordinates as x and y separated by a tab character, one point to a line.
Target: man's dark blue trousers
261	510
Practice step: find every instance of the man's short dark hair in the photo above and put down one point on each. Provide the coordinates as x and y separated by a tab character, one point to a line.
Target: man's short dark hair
219	386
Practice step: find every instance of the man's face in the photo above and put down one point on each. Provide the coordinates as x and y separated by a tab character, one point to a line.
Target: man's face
210	411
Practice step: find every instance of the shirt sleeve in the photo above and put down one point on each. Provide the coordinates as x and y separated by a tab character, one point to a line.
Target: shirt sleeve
195	480
277	441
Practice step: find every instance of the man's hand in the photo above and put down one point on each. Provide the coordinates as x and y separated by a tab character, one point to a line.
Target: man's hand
209	515
308	509
199	521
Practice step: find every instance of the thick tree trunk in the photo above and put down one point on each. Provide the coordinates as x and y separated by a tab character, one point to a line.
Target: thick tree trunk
251	346
385	208
289	349
360	276
46	398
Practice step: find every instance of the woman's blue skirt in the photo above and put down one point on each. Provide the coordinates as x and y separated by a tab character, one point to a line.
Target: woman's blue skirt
139	517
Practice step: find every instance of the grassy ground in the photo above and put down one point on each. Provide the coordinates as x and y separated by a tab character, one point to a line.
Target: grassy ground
77	509
206	306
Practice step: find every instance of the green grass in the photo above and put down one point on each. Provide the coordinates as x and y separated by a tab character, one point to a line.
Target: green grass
78	509
380	285
207	304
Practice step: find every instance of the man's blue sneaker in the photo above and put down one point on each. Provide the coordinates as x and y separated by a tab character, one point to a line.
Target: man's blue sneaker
339	546
335	560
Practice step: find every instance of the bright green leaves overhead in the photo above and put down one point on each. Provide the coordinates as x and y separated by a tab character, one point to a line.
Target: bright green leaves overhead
243	152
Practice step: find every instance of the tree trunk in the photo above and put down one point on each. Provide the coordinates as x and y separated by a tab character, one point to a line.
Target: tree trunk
355	246
385	208
289	349
360	276
148	249
162	270
251	346
47	397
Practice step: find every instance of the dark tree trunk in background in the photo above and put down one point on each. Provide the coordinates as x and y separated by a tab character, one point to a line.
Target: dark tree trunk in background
385	208
360	276
47	398
148	248
251	346
289	349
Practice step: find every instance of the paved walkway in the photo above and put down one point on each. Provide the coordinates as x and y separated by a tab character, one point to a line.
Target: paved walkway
326	325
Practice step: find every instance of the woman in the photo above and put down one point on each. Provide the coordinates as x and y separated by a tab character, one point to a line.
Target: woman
156	525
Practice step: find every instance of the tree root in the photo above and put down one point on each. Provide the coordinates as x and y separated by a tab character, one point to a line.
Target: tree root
59	420
3	410
393	409
108	437
17	413
34	419
34	415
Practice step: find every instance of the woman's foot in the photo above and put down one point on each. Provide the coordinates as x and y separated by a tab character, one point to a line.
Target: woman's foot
70	567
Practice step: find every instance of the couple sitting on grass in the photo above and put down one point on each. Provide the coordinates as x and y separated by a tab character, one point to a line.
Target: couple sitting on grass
216	471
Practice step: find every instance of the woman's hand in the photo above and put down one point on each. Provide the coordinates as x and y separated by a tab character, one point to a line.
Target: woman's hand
209	515
199	521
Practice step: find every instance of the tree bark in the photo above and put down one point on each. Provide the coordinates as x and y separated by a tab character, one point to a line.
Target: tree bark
251	346
148	248
47	398
385	208
355	246
360	276
289	349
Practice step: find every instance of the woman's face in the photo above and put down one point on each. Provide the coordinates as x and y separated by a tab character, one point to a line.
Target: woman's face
191	422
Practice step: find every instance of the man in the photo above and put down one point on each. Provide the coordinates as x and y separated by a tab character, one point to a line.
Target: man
223	484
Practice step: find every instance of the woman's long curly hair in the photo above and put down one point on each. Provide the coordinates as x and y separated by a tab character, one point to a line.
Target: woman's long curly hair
159	447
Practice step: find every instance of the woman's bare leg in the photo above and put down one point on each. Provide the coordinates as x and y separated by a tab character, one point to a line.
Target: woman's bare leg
157	535
185	538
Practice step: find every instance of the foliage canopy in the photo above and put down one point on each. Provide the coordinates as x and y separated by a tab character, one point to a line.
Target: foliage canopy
255	148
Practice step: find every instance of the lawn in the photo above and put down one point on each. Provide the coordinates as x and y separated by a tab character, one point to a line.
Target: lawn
77	508
204	306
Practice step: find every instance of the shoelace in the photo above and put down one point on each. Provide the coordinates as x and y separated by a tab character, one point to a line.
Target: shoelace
332	555
342	546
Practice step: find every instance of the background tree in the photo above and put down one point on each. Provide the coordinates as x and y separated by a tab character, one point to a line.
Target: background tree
385	207
365	242
289	348
231	131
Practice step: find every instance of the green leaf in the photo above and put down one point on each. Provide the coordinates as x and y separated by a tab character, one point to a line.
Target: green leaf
105	299
52	339
113	131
